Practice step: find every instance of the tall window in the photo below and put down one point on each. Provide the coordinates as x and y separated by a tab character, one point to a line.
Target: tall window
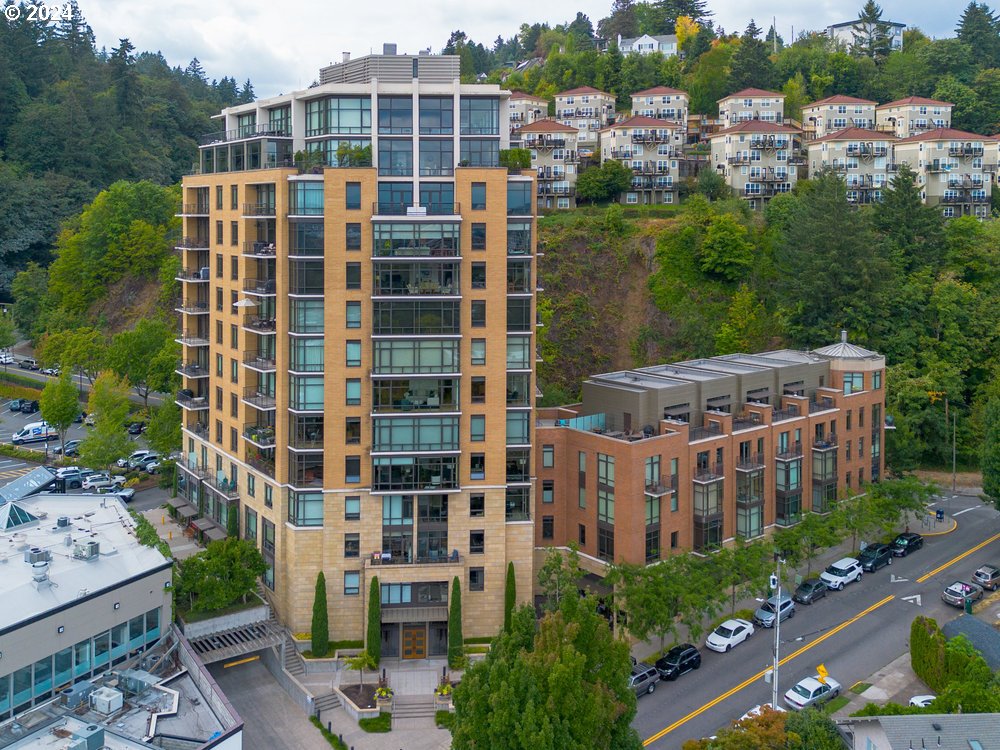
305	508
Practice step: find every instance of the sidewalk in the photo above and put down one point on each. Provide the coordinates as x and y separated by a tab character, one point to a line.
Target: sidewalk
894	682
169	530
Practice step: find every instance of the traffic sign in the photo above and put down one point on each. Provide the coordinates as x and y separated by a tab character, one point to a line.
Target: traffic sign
821	673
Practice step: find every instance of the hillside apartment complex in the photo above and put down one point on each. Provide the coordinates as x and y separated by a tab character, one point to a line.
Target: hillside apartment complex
693	454
352	334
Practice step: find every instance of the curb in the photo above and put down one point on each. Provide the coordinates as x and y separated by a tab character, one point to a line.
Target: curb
954	525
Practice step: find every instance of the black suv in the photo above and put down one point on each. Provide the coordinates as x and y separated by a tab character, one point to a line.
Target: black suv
904	544
677	661
29	407
875	556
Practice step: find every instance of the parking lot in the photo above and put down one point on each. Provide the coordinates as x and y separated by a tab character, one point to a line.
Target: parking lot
11	422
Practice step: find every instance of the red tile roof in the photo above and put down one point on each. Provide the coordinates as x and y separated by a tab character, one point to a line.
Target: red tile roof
856	134
641	121
583	90
659	91
840	99
944	134
547	126
755	126
523	95
917	100
752	92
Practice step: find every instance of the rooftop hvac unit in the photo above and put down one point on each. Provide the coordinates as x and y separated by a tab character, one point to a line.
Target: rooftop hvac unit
106	700
87	550
91	736
77	745
76	694
35	554
63	522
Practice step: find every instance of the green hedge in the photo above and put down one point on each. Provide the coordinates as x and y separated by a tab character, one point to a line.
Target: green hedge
16	379
927	652
23	454
330	737
9	391
377	724
444	719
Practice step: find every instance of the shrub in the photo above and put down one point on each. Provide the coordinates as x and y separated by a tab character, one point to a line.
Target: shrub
456	655
320	621
377	724
330	737
444	719
927	652
375	621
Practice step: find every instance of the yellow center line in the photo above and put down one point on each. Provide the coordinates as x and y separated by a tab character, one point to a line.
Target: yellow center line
830	633
954	560
241	661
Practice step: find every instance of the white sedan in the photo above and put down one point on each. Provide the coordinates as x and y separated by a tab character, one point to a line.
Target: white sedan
922	701
758	710
728	634
811	692
96	481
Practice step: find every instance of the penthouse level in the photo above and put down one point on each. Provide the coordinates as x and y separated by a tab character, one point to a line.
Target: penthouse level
693	454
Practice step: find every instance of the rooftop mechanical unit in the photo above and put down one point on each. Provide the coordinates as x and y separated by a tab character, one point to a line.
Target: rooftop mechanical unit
106	700
90	737
78	693
87	550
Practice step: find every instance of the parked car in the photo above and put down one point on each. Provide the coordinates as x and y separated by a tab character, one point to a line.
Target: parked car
728	634
80	417
96	481
53	371
28	364
89	420
844	571
960	592
758	710
136	428
677	661
810	590
643	679
988	576
15	404
811	692
125	493
72	448
906	543
72	478
922	701
29	407
6	358
875	556
774	610
140	463
123	463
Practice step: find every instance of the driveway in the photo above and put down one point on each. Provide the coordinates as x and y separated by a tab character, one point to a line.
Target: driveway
271	719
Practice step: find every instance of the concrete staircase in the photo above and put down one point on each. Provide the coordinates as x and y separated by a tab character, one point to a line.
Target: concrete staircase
326	703
292	659
413	707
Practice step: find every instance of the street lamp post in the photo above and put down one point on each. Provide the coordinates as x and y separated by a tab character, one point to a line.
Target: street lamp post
776	585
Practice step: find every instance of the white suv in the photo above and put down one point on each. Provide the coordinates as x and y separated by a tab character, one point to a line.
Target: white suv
841	573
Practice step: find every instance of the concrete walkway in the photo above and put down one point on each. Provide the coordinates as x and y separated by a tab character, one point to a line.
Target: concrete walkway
895	682
169	530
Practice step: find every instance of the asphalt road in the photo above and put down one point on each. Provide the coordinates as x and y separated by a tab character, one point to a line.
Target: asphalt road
853	633
82	383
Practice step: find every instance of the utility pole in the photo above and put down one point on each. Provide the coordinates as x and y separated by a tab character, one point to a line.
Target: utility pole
776	585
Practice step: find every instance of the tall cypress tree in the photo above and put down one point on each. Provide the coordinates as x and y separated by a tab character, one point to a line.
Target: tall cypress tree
374	645
320	621
456	642
509	596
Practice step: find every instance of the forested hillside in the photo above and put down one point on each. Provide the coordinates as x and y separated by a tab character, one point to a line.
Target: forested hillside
717	278
74	119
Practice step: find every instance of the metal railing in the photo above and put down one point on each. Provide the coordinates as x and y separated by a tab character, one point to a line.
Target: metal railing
257	324
193	274
193	338
262	464
198	428
544	142
192	243
825	442
790	451
816	406
780	415
260	286
223	486
196	209
259	248
260	400
187	401
661	485
701	433
406	209
445	558
260	435
263	361
247	131
750	462
259	209
192	370
709	473
197	308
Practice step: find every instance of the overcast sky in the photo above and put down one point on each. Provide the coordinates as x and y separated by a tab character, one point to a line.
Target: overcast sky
281	44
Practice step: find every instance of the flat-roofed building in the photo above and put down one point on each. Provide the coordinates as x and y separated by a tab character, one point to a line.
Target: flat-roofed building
826	116
952	169
81	594
758	159
752	104
691	455
912	116
862	157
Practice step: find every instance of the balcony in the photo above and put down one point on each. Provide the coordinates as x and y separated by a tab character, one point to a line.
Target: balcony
825	442
405	209
545	143
789	452
780	415
966	150
191	370
192	243
703	433
750	462
937	167
193	467
769	143
796	161
260	435
259	325
259	361
650	167
192	338
768	176
192	209
258	400
739	159
223	486
864	149
818	406
259	249
191	402
652	137
965	199
709	473
746	423
192	308
193	274
549	189
260	287
661	485
262	464
965	182
266	129
421	287
384	558
259	209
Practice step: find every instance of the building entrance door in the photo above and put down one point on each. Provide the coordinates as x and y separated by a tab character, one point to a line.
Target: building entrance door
414	640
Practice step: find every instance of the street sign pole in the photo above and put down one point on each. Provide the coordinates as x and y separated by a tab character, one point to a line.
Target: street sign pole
777	634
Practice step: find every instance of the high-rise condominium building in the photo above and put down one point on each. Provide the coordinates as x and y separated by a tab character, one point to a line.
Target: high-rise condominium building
358	335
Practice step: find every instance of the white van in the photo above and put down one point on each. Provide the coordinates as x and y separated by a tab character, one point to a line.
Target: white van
34	432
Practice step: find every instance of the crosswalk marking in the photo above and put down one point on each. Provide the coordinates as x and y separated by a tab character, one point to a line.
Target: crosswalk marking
11	473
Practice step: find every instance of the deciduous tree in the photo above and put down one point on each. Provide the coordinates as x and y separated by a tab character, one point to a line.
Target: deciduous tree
108	404
59	405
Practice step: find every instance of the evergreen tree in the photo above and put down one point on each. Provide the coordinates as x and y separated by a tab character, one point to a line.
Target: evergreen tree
456	642
751	66
126	81
871	34
979	28
374	640
581	30
246	94
320	619
991	451
774	41
509	596
233	520
622	21
913	231
195	71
